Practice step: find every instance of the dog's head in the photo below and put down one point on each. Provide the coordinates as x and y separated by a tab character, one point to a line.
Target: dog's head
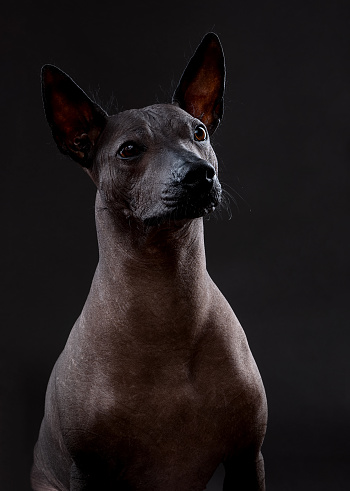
155	164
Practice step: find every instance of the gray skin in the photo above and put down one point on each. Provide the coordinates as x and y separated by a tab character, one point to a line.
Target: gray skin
156	384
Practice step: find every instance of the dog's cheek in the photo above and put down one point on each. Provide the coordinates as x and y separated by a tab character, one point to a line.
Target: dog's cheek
144	205
147	203
212	158
114	188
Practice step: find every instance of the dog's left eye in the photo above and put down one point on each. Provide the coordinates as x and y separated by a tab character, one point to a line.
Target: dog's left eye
200	134
129	150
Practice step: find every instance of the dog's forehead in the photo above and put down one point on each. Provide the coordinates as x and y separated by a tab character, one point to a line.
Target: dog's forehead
153	121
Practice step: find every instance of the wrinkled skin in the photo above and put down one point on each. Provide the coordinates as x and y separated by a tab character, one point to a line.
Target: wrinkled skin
156	384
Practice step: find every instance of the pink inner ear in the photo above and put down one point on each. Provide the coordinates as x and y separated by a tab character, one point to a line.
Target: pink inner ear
200	97
201	88
69	118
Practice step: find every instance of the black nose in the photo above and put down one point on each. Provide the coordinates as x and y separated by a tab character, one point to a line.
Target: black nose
197	173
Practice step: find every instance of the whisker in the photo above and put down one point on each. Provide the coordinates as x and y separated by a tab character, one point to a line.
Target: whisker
237	194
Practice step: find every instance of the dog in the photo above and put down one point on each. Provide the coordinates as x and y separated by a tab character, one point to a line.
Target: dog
156	385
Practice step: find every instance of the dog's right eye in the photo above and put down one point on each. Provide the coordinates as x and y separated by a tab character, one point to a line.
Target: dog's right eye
129	150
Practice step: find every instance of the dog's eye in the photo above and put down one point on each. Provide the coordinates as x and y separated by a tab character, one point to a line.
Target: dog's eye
129	150
200	134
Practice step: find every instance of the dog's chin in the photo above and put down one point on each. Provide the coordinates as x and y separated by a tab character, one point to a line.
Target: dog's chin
179	213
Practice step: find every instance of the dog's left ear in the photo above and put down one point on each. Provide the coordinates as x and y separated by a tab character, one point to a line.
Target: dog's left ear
202	85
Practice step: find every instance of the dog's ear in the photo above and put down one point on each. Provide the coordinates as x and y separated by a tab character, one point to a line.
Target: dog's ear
75	120
201	88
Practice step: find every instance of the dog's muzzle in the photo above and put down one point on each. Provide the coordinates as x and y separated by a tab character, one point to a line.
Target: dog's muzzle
194	191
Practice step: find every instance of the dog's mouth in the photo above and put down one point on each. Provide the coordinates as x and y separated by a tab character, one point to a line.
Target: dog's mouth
193	205
179	204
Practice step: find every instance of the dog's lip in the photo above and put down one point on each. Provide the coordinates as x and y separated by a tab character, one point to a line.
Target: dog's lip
171	199
177	199
201	209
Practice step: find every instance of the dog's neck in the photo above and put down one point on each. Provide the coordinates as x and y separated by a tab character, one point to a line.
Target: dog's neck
157	274
123	242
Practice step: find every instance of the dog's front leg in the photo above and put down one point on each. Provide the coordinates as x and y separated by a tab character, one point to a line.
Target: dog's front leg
92	479
80	480
245	473
86	480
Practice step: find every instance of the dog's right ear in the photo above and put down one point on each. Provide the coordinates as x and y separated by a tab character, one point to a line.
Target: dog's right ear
76	121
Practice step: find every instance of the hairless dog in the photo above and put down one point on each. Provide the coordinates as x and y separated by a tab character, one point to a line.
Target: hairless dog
156	385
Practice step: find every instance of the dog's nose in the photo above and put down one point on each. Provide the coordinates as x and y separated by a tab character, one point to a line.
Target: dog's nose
197	173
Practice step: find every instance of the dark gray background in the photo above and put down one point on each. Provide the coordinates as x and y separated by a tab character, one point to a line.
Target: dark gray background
282	260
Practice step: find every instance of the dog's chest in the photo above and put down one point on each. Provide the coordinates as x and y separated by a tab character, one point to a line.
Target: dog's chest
164	413
169	430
